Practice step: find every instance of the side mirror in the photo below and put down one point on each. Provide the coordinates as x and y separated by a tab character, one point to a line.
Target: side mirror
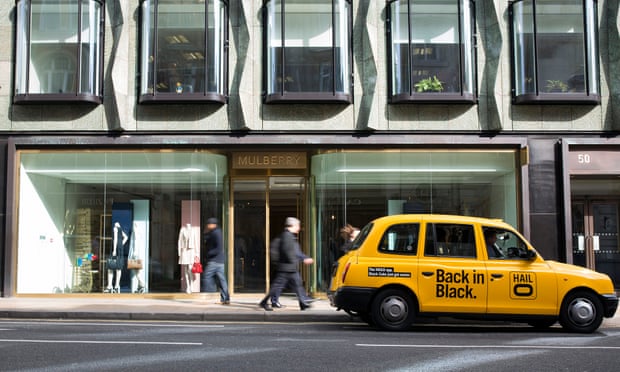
530	254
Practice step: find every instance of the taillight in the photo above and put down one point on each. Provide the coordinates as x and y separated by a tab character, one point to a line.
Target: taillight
345	271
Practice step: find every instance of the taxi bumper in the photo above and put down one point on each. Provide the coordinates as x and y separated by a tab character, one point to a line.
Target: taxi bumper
352	298
610	305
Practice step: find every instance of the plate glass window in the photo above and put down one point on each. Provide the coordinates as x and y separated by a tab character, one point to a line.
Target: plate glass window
184	51
432	55
555	52
59	51
308	50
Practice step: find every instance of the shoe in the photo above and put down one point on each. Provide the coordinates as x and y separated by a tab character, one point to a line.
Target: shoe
116	290
265	306
304	305
224	302
276	305
108	290
141	290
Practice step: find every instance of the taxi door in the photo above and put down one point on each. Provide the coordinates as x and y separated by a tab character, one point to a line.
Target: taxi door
450	276
518	284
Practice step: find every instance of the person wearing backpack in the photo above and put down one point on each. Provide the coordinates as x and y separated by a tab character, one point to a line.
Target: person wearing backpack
287	269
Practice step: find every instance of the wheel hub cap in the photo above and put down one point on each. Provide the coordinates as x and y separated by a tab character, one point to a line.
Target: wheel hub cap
394	309
582	311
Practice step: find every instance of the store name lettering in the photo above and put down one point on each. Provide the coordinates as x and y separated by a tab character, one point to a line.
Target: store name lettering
270	160
458	284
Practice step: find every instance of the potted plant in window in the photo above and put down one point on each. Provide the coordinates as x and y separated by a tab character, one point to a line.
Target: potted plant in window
555	86
429	84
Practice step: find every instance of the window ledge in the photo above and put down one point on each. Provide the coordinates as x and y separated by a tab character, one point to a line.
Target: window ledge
465	98
182	98
25	99
308	98
557	98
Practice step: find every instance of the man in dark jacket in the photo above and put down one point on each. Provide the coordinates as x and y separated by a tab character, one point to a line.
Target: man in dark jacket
213	275
287	271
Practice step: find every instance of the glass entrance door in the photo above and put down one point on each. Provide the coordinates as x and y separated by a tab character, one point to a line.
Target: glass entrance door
595	236
260	207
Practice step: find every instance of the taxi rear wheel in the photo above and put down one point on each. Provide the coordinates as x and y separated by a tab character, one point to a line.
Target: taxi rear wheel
393	310
581	312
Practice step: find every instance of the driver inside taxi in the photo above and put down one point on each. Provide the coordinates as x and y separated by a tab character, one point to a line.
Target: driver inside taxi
490	238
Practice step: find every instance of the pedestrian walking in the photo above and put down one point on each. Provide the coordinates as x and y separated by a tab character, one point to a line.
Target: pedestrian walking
287	271
213	276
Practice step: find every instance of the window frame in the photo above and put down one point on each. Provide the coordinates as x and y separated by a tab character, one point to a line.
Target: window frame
333	96
23	32
153	97
412	96
538	95
410	249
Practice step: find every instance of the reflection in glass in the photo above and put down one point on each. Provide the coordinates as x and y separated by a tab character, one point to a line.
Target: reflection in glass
66	200
357	187
431	48
308	47
183	53
59	48
555	50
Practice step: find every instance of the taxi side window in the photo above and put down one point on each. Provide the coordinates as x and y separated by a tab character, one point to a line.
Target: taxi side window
504	244
450	240
401	239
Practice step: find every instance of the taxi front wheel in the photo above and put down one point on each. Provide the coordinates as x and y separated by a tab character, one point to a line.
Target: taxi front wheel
581	312
393	310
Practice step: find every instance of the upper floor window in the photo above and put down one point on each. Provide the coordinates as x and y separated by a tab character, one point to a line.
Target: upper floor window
308	50
59	51
431	51
555	51
184	51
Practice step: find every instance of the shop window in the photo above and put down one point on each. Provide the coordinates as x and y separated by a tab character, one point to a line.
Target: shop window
184	51
77	210
358	186
59	51
431	51
308	51
555	51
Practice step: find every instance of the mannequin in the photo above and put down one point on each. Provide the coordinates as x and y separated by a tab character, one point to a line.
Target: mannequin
136	253
119	238
186	250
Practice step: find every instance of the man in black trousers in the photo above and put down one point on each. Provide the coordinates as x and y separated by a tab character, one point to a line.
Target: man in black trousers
287	271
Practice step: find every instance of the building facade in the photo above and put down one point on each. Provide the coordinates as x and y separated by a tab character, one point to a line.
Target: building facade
129	123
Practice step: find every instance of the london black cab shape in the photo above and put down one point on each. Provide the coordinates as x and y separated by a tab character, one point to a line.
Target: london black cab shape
407	266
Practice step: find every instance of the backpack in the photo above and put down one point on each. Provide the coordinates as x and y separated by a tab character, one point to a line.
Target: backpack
274	250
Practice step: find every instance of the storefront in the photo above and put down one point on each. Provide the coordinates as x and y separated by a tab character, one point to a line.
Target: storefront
71	207
592	204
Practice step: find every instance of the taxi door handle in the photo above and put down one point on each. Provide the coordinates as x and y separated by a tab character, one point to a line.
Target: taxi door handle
497	276
427	273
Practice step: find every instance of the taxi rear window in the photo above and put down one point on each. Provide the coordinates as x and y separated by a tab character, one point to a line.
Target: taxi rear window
401	239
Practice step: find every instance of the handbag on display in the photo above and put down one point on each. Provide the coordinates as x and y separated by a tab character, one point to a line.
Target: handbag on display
134	264
197	267
112	263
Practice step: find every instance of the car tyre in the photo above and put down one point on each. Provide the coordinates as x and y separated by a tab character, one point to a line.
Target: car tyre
581	312
393	310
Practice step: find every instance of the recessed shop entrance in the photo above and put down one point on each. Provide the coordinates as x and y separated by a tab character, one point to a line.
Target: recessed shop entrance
595	242
259	208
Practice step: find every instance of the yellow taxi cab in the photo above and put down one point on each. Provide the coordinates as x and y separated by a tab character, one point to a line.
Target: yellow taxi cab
407	266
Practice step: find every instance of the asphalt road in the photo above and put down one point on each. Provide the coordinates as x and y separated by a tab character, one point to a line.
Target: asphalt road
182	346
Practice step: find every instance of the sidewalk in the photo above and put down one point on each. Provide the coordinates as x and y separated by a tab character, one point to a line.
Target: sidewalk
196	307
181	307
